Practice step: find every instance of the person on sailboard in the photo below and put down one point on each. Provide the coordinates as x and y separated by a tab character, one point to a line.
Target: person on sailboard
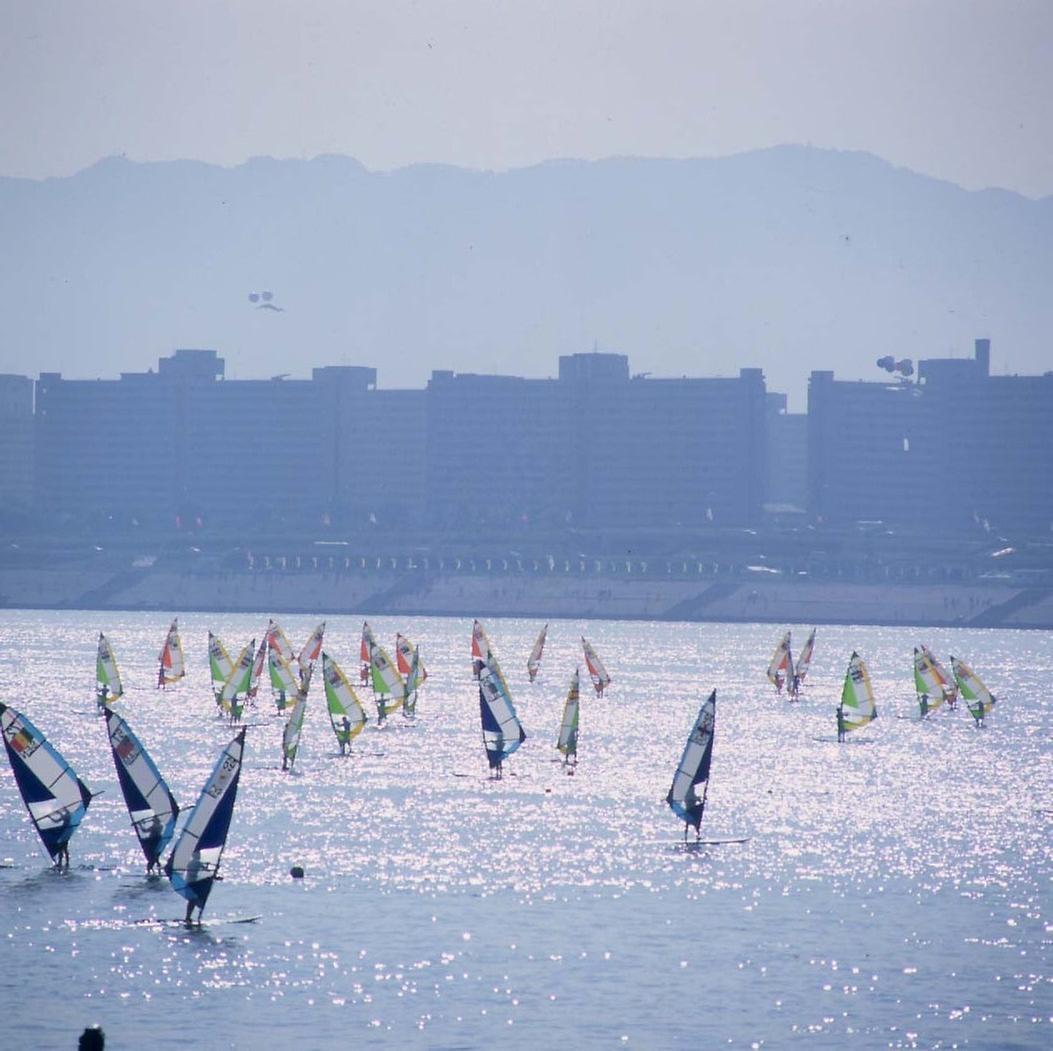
161	675
840	724
101	693
151	832
795	687
496	756
923	700
345	737
64	821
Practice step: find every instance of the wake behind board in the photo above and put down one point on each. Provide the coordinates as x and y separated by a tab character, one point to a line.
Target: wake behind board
832	739
706	841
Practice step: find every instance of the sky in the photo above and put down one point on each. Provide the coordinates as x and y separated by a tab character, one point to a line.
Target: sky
957	89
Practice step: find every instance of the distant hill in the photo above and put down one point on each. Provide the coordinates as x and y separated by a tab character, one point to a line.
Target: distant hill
790	259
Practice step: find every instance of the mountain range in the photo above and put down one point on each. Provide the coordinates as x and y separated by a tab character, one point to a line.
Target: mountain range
789	259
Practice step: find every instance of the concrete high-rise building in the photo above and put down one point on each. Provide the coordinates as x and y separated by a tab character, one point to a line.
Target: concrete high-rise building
16	442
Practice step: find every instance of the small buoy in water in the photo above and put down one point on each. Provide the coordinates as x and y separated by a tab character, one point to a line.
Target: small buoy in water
296	872
548	791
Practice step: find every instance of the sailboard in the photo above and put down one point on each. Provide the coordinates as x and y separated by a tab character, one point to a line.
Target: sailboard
389	689
259	662
151	805
56	798
310	651
238	683
567	742
276	640
283	679
857	707
597	672
534	660
404	657
503	733
193	865
480	648
693	769
978	698
780	667
949	686
293	730
804	662
345	710
108	686
929	683
415	676
368	641
220	665
171	667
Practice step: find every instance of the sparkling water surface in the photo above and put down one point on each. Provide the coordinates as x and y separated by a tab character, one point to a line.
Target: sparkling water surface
895	891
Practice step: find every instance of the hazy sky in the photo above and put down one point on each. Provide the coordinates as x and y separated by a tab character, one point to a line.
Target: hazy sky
960	89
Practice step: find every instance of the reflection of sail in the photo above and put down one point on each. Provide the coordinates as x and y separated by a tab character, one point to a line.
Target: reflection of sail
151	805
693	769
193	864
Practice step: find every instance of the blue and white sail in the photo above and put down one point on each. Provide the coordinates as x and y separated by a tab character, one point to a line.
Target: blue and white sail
55	797
693	770
151	805
502	731
193	864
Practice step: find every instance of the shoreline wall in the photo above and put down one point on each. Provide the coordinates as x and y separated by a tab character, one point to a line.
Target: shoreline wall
996	604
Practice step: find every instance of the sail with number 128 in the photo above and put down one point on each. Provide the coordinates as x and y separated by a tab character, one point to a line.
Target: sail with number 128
193	865
108	687
55	797
345	710
857	696
151	805
693	769
171	668
978	697
534	660
568	728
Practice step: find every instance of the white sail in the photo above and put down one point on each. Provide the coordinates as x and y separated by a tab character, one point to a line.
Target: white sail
172	667
857	696
388	686
292	731
978	697
277	641
597	672
568	728
534	660
108	687
502	731
193	864
804	661
346	713
238	682
55	797
311	649
693	769
151	805
780	667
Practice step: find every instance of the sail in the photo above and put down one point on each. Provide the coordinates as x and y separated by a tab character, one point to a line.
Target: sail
108	686
277	641
219	663
804	661
283	678
345	710
597	672
693	769
978	697
404	650
368	641
311	649
193	864
55	797
949	686
238	682
172	668
502	731
292	731
480	648
415	676
857	695
388	687
258	664
780	667
928	682
568	728
534	660
151	805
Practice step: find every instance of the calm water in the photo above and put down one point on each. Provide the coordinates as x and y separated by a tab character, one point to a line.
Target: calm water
895	894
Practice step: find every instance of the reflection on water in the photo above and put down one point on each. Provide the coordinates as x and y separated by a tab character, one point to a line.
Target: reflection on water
893	894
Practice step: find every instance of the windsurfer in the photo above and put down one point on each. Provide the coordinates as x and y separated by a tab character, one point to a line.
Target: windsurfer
151	835
161	674
795	687
101	694
840	723
345	735
496	756
923	700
